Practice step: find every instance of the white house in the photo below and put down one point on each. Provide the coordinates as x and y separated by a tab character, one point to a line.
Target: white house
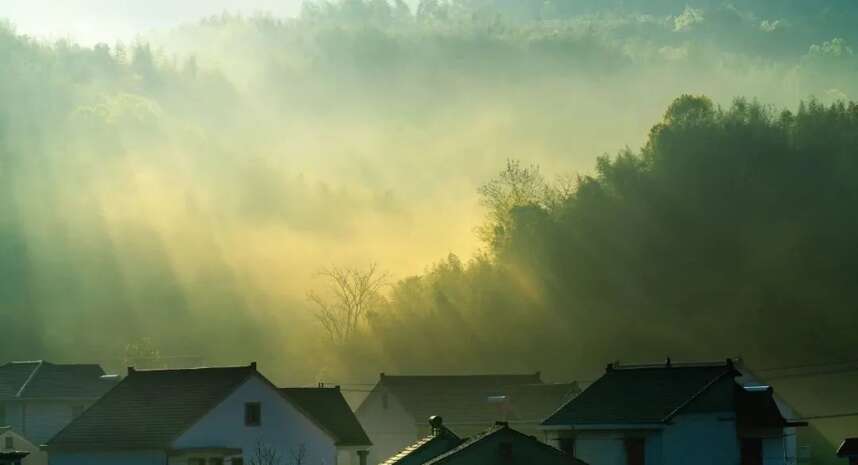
39	398
11	441
204	416
673	414
396	411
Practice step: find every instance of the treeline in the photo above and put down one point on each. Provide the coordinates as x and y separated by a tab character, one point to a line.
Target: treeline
730	232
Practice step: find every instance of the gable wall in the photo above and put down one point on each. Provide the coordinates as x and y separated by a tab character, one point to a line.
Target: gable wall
701	438
390	429
36	457
283	427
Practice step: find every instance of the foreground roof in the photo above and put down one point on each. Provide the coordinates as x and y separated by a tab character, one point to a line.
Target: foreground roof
502	444
329	409
150	409
478	399
848	448
44	380
640	394
440	441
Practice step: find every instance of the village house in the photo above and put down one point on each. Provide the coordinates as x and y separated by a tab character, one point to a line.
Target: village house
673	414
395	411
328	407
11	442
498	445
849	450
206	416
39	398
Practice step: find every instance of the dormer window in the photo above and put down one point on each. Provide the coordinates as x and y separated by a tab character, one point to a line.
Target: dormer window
252	414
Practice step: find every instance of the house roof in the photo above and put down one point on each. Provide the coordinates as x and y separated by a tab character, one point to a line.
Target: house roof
150	409
479	399
440	441
329	409
848	448
640	394
502	444
44	380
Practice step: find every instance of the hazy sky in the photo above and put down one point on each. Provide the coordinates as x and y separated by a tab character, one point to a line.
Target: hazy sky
92	21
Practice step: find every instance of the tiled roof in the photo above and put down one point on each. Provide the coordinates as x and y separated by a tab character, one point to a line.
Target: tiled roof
848	448
502	444
641	394
426	448
480	399
43	380
329	409
150	409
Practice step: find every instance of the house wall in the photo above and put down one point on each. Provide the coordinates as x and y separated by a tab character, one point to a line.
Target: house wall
702	439
283	427
600	447
20	443
39	421
108	458
390	429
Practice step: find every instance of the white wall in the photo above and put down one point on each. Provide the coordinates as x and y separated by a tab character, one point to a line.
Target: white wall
283	427
107	458
390	430
702	439
600	447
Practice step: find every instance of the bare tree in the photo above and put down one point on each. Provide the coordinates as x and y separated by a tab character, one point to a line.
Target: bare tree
352	293
265	455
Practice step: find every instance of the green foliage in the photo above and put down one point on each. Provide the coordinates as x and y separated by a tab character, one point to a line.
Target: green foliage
730	233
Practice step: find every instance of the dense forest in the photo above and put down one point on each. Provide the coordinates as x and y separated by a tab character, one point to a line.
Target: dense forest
182	196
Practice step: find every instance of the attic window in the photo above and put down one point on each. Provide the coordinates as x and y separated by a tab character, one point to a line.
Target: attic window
252	414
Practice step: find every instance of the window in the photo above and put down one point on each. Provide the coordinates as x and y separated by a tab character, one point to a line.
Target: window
9	443
252	414
635	451
196	461
752	451
567	445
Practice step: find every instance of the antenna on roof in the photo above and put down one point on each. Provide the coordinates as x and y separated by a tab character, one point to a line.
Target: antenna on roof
436	423
667	362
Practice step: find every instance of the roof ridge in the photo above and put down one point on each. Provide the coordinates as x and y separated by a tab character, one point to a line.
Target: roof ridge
470	442
699	392
30	378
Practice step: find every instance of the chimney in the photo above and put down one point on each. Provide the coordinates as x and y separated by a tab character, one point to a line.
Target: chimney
667	362
253	365
610	367
362	456
131	371
436	423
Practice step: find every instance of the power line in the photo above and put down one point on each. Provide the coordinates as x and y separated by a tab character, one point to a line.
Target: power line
831	415
811	365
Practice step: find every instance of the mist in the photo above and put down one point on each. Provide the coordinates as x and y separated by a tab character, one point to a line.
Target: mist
180	174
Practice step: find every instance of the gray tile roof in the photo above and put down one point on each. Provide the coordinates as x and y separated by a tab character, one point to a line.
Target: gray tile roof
329	409
426	448
502	444
44	380
150	409
641	394
848	448
478	399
